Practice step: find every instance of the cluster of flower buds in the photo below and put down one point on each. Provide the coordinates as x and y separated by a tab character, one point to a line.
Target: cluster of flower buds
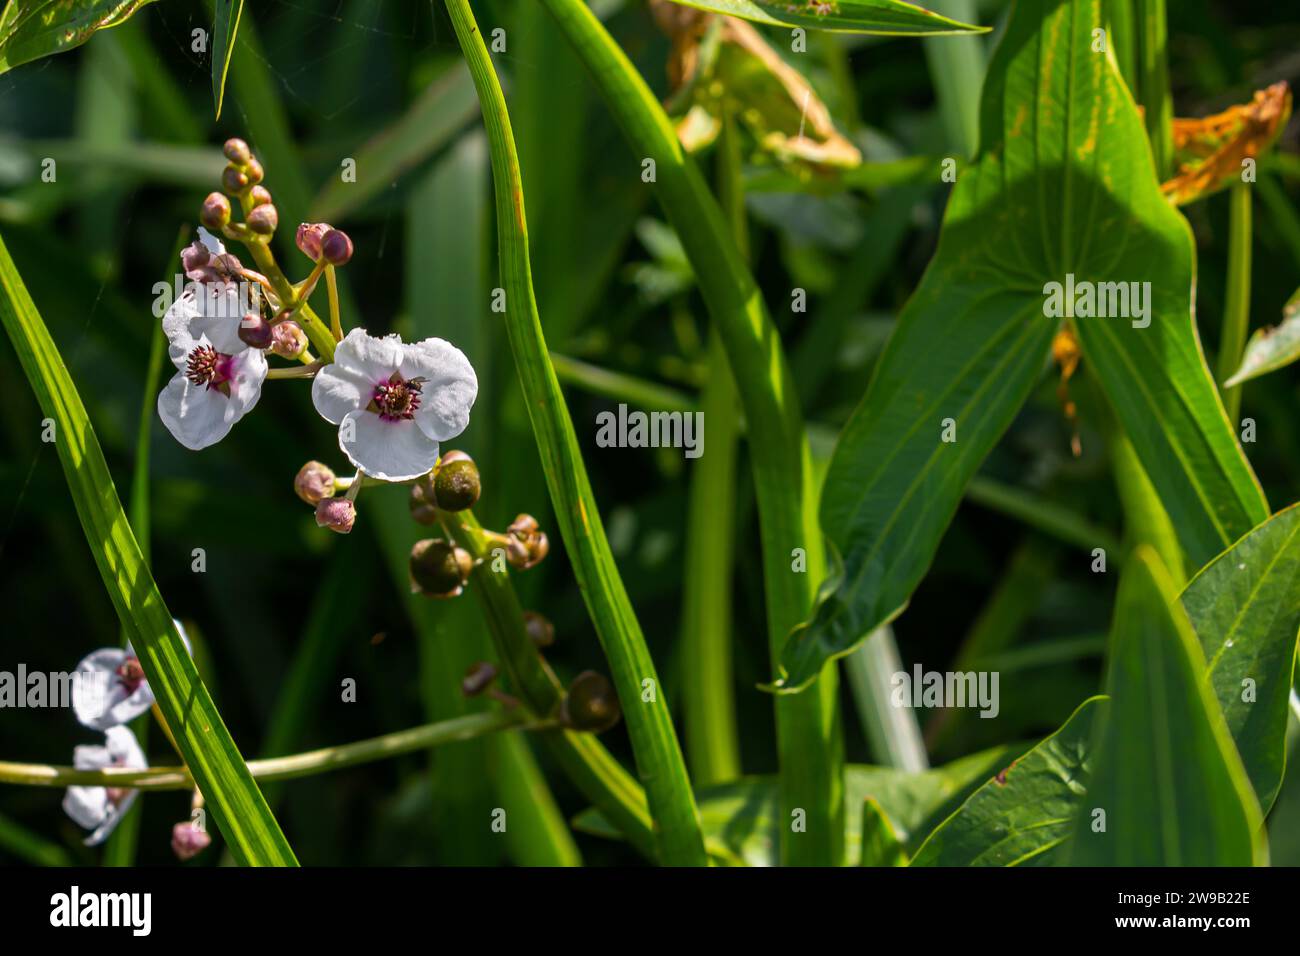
316	484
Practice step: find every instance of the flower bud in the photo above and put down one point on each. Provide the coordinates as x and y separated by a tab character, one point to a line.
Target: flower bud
288	339
263	219
314	482
526	545
337	514
260	196
188	841
540	631
195	256
237	151
423	509
215	213
253	170
456	482
309	238
590	704
439	568
477	679
234	180
336	247
255	331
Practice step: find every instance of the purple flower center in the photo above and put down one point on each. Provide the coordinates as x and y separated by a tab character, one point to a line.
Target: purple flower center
206	366
131	674
396	399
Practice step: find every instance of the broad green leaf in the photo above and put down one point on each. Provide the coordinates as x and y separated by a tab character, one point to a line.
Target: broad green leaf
1167	786
31	29
1271	348
885	17
1065	187
745	815
1245	608
224	30
440	112
205	744
881	843
1023	815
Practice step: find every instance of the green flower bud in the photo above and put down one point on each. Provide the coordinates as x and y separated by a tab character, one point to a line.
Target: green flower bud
423	509
438	568
456	482
591	704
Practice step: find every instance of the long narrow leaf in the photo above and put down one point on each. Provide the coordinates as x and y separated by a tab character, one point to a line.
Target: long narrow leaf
224	30
882	17
219	771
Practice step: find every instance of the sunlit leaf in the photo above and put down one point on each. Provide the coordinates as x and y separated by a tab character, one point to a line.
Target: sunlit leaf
1167	786
1065	189
887	17
1245	609
1271	348
31	29
881	843
1024	814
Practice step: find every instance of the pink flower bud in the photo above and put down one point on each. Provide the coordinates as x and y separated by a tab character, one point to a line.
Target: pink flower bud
336	247
337	514
309	237
255	331
215	213
260	195
263	219
314	482
288	339
253	170
234	180
237	151
188	841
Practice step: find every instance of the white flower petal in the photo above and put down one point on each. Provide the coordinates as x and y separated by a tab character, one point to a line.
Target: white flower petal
206	314
449	390
99	698
390	451
88	806
361	362
199	416
211	243
124	749
113	816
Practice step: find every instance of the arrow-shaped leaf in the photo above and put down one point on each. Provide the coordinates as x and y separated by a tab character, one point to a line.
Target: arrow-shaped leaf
1065	192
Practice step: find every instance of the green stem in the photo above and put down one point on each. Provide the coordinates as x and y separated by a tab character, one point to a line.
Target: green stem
709	705
892	732
957	70
278	768
654	742
809	736
1236	311
1153	70
621	387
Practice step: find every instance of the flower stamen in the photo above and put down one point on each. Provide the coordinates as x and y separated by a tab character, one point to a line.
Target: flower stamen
397	399
131	674
206	366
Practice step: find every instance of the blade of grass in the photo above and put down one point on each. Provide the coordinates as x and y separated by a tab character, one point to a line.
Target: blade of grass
808	728
224	29
1236	309
957	70
32	847
658	754
236	804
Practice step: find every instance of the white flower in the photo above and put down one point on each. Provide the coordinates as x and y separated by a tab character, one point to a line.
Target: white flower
394	403
100	808
109	689
219	378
